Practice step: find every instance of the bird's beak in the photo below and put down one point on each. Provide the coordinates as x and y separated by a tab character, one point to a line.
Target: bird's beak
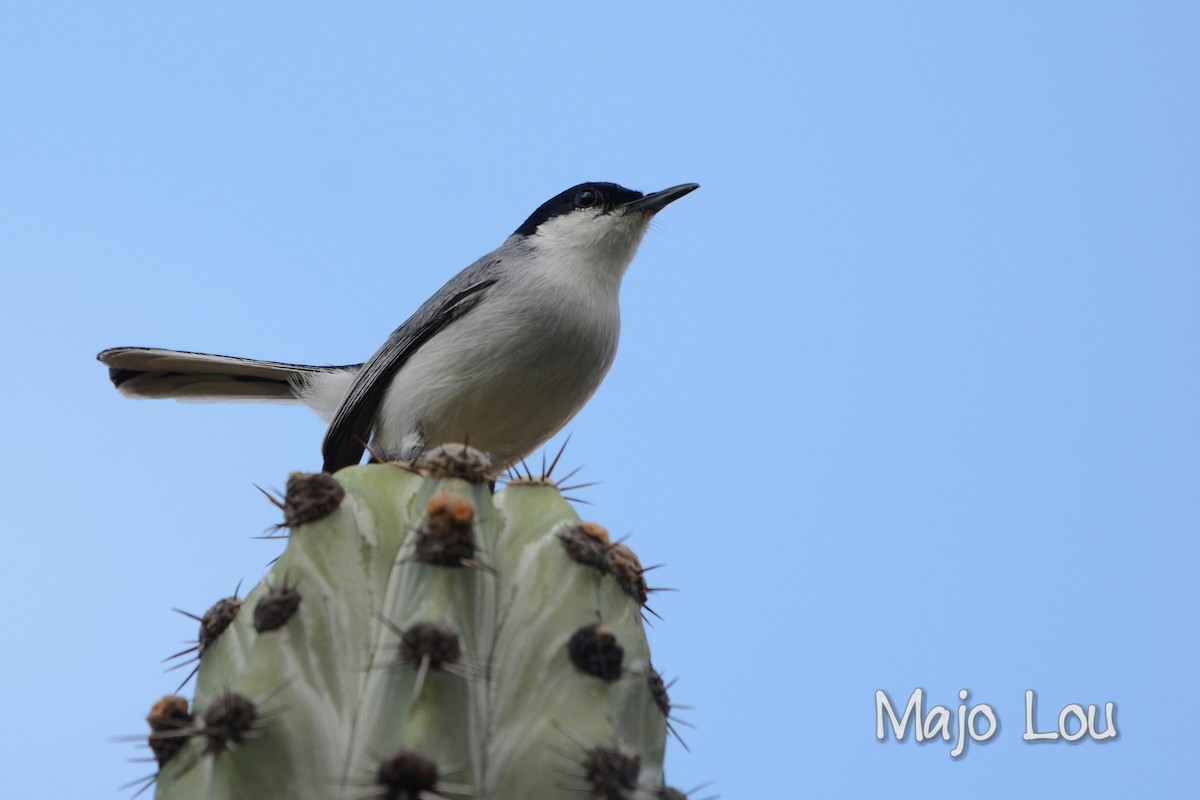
656	201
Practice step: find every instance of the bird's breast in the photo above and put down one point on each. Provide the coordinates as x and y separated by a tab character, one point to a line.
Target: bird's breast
500	379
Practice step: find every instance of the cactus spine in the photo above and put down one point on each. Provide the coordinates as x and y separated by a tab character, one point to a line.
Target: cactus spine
423	637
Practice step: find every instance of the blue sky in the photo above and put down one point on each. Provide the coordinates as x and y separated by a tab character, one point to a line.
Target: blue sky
907	392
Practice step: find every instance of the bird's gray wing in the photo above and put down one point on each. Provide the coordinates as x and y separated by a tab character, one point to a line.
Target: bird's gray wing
351	427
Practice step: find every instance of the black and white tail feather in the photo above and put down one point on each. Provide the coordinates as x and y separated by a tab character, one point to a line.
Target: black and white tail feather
180	375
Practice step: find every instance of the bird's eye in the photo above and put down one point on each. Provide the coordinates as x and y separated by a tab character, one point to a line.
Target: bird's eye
586	198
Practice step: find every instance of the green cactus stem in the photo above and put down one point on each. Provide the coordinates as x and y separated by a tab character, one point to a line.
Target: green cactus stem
423	637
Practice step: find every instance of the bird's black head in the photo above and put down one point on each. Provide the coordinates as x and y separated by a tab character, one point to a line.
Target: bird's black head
603	197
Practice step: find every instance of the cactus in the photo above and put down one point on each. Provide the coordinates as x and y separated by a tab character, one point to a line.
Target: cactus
422	637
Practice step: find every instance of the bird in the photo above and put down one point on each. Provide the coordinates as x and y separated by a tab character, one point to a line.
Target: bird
501	357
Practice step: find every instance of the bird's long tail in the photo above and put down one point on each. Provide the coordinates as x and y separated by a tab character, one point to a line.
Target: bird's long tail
150	372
